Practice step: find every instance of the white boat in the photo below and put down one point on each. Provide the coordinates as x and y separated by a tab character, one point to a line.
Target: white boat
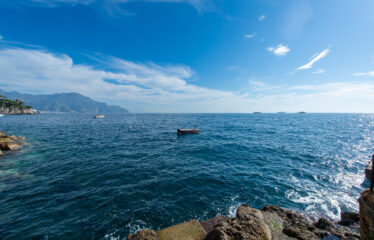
99	116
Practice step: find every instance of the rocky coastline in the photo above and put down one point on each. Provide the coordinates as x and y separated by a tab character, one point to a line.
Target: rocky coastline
272	222
17	111
9	143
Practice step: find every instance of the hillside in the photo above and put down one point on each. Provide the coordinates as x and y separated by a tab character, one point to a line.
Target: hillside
64	102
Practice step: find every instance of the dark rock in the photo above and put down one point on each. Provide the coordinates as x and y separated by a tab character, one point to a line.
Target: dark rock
297	226
349	218
324	224
368	171
209	224
146	234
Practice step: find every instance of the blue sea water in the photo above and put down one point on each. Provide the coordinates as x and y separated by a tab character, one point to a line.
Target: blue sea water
85	178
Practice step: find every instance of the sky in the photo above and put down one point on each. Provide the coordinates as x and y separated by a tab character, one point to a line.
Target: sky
194	56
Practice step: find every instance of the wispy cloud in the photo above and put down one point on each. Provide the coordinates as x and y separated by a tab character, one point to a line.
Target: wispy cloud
249	35
295	18
279	50
167	88
315	59
232	68
365	74
148	83
319	71
199	5
261	18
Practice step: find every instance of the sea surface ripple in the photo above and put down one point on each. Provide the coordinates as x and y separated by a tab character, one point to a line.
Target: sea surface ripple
85	178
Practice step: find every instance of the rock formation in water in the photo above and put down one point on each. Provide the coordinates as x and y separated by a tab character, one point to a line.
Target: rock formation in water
271	223
16	107
10	143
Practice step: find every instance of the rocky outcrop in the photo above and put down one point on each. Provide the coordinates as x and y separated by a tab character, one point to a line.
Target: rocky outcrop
295	226
10	143
17	111
271	223
209	224
249	224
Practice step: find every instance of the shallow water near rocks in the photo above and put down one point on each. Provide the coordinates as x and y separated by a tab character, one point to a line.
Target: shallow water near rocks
85	178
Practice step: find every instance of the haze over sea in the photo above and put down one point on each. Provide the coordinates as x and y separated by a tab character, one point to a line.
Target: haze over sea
85	178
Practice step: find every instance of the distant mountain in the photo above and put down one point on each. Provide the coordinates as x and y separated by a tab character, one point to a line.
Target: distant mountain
64	102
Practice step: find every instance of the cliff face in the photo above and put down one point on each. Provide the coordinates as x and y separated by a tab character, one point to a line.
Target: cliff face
17	111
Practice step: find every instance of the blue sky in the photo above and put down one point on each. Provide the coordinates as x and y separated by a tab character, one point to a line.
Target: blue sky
193	55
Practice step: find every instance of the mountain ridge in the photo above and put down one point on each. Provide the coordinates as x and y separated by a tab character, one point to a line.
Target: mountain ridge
64	102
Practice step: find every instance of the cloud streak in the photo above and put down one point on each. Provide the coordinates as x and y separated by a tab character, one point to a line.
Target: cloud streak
365	74
315	59
199	5
250	35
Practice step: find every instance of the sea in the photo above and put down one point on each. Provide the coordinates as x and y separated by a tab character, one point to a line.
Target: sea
84	178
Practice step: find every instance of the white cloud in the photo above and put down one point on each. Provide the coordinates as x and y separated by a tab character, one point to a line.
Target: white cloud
166	88
249	35
315	59
28	70
279	50
319	71
365	74
262	17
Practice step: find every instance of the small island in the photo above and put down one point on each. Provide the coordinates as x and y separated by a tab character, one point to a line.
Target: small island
16	107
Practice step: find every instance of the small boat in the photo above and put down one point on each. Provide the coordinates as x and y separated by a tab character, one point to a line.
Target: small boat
188	131
99	116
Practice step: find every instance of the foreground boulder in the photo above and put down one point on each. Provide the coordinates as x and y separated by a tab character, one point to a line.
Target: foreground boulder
191	230
209	224
248	225
146	234
10	143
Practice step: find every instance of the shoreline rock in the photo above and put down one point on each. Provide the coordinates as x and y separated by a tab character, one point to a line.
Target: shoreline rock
368	171
270	223
10	143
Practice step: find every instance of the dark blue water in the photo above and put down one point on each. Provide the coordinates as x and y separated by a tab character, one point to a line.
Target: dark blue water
80	178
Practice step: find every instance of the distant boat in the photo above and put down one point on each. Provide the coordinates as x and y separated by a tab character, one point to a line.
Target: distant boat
188	131
99	116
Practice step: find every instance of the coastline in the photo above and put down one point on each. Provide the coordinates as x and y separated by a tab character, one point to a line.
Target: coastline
272	222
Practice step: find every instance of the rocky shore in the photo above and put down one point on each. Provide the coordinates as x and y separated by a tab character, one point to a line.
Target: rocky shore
17	111
10	143
272	222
